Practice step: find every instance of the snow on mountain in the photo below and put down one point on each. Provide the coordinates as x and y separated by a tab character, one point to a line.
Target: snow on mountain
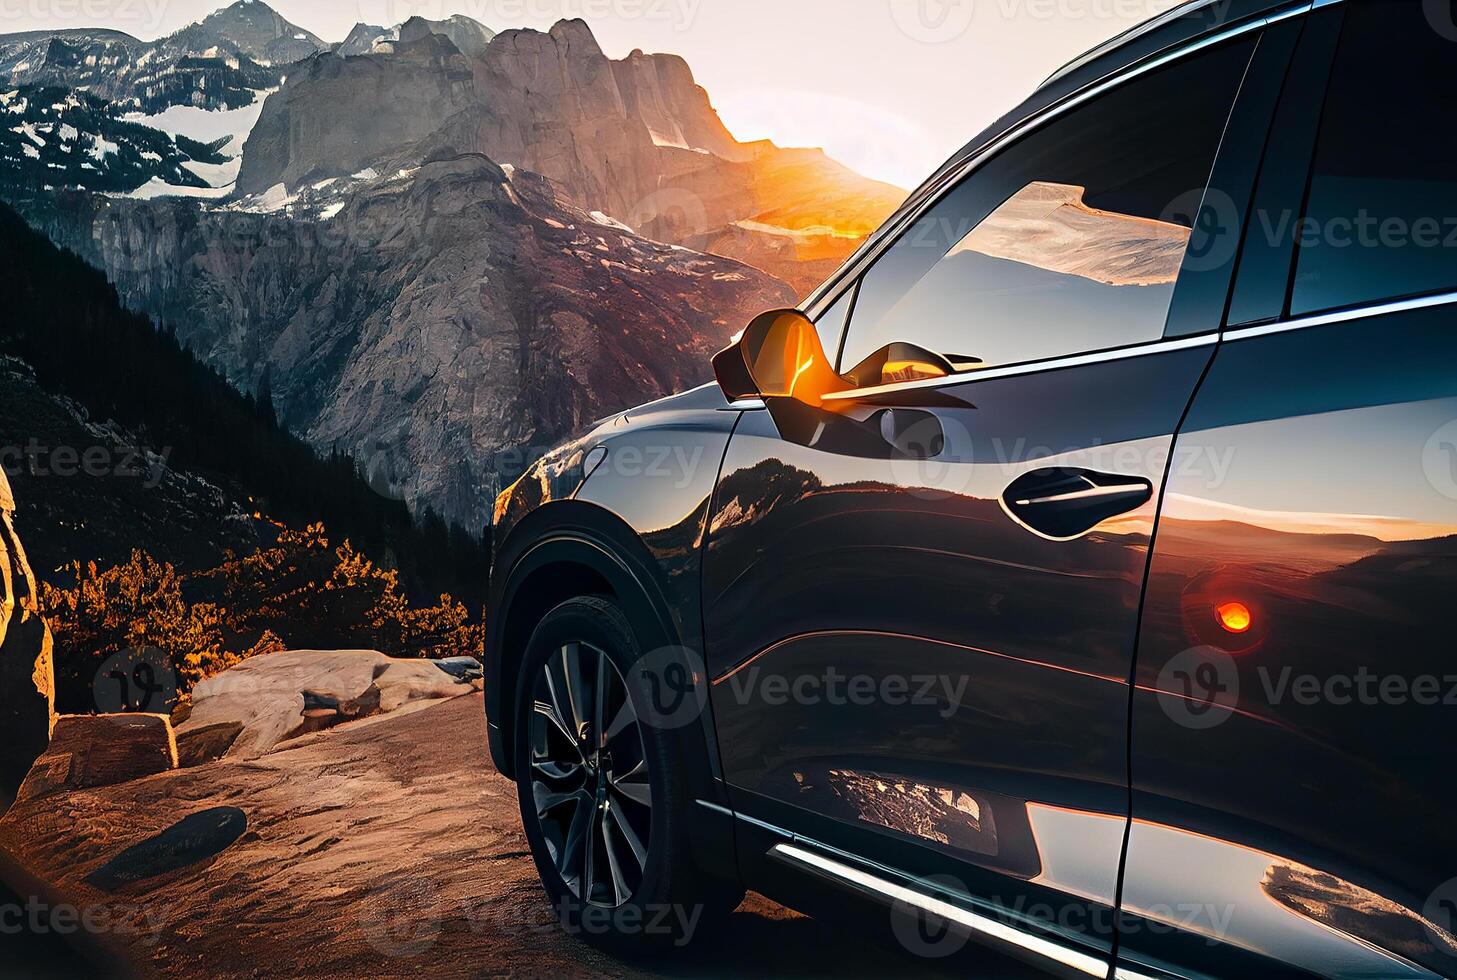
156	187
441	244
217	63
255	29
74	58
225	129
468	35
54	137
184	104
363	38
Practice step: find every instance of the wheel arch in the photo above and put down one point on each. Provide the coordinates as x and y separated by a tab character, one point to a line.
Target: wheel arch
561	551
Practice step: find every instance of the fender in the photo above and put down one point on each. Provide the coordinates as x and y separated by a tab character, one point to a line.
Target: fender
581	548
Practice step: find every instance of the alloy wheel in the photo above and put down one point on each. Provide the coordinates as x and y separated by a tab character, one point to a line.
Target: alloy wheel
589	775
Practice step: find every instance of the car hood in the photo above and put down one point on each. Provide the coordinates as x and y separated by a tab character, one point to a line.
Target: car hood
560	473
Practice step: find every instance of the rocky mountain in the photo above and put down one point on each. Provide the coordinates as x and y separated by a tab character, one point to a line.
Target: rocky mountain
443	322
252	28
636	139
447	251
639	139
363	38
469	36
72	58
218	63
317	126
116	438
58	138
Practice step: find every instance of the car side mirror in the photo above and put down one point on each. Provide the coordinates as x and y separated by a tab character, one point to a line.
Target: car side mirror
777	356
898	362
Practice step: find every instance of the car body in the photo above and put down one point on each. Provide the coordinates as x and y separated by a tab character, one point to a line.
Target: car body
1089	598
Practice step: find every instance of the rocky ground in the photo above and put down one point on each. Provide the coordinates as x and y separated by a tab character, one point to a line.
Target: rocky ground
384	847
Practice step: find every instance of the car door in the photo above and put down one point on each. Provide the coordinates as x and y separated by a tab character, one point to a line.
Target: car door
1296	694
920	608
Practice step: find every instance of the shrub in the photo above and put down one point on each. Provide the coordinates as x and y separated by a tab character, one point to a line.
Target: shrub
299	593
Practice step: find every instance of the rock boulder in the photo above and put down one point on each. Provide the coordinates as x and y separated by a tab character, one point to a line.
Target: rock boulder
27	678
280	696
100	750
198	746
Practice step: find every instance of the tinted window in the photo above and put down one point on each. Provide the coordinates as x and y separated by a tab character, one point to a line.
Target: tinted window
831	324
1069	241
1382	212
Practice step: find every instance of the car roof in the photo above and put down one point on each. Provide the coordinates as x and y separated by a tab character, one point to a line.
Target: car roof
1175	28
1178	12
1172	29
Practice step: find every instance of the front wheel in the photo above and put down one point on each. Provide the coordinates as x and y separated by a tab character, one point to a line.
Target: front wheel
602	791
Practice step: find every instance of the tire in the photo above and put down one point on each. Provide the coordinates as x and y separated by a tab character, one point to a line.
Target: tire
624	793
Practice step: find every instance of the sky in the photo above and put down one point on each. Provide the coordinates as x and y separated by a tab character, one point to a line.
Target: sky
889	87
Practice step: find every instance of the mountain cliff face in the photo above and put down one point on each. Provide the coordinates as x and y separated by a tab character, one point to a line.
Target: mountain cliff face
362	38
639	139
469	36
444	321
447	249
554	104
636	139
338	115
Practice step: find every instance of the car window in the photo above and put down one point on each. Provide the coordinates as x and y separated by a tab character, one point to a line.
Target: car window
1381	221
1070	240
831	323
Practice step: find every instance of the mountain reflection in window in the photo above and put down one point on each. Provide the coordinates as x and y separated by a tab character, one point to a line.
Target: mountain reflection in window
1045	275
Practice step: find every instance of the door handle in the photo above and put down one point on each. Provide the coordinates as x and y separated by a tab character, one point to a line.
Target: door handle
1067	503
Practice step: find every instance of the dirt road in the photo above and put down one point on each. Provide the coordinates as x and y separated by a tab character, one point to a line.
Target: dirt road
384	848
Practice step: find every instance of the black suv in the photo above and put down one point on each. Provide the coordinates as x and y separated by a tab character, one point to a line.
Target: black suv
1071	568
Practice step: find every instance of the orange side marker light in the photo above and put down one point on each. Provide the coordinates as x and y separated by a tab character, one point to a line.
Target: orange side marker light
1234	616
